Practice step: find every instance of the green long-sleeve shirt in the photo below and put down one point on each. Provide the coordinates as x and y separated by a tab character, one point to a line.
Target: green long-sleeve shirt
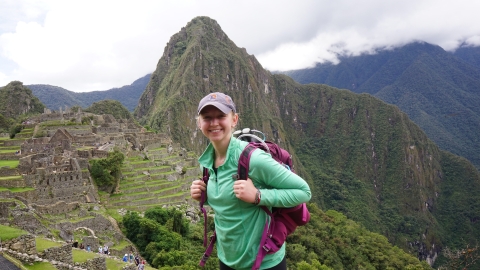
239	225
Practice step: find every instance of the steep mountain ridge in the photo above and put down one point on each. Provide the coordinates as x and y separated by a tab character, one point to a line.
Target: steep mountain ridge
198	60
438	90
361	156
14	92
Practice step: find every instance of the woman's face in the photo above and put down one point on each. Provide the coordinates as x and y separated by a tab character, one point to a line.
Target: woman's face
216	125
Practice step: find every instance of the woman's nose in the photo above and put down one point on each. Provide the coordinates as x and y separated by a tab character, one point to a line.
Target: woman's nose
214	121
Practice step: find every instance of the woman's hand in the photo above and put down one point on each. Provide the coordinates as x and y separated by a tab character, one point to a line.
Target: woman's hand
245	190
196	189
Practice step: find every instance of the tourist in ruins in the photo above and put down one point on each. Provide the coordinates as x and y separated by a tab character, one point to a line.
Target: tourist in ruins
137	260
238	221
141	266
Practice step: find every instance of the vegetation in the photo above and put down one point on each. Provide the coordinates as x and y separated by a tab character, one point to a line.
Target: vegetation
9	163
436	89
13	112
43	244
362	157
112	107
106	172
329	241
460	259
40	266
7	233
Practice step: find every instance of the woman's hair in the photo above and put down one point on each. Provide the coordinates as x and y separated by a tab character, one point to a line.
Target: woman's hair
197	118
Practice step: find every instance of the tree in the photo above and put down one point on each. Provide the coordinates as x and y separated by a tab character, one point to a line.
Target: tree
461	258
106	172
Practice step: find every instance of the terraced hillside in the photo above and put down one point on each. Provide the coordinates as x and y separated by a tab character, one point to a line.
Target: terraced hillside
11	181
46	188
160	176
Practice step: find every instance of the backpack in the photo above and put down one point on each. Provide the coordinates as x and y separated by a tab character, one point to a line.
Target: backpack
283	221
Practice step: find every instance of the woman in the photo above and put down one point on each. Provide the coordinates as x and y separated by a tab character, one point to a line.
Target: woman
238	220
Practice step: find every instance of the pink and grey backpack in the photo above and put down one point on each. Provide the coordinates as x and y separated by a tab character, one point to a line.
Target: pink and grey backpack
283	221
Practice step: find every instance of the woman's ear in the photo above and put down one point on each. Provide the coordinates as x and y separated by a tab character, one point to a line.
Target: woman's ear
235	120
198	122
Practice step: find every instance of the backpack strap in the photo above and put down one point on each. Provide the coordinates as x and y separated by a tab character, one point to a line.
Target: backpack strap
213	238
203	199
209	249
266	243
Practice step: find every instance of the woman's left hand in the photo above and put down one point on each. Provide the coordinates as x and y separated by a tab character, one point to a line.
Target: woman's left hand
245	190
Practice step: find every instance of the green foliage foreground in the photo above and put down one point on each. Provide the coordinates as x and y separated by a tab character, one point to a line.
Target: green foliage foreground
106	171
329	241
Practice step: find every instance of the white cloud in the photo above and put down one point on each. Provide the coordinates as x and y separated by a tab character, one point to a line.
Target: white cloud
96	45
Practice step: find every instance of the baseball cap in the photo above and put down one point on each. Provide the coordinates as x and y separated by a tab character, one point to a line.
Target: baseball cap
223	102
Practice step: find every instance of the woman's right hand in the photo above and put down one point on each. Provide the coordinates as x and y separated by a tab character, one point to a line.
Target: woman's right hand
196	189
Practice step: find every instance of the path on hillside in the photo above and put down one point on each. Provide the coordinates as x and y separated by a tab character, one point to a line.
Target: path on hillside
6	264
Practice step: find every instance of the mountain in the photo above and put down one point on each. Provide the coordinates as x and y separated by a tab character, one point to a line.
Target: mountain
439	91
112	107
361	156
55	97
16	100
469	54
14	92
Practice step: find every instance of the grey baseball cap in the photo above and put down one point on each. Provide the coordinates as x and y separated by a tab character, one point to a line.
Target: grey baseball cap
223	102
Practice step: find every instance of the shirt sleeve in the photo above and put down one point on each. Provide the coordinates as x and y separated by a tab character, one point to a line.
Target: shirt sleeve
279	186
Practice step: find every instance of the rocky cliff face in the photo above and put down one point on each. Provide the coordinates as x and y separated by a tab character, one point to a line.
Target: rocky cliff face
361	156
17	99
198	60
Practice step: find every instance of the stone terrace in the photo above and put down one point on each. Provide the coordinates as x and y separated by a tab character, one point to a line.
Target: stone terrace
162	176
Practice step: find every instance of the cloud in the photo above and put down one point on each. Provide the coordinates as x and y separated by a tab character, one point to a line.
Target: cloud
97	45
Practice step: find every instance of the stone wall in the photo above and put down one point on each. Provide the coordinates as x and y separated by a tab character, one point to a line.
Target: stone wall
103	130
99	153
99	263
24	243
13	142
8	156
60	254
97	223
25	219
8	172
13	183
5	207
85	138
91	241
60	207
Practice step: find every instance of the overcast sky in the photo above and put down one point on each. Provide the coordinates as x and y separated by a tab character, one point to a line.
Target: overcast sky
100	44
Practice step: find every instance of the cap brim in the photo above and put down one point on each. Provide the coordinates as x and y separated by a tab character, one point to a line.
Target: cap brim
221	107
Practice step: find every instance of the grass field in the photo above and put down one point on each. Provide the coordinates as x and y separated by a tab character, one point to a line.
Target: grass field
7	233
43	244
40	266
9	163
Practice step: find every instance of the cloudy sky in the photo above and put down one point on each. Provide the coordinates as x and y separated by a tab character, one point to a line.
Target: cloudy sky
86	45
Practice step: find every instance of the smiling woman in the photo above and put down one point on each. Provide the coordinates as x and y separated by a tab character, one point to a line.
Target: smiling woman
236	202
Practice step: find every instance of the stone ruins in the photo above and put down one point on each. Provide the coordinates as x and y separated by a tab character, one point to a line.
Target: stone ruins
52	182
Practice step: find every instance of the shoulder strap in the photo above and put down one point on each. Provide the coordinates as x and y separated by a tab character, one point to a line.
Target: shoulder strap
203	199
266	245
244	161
